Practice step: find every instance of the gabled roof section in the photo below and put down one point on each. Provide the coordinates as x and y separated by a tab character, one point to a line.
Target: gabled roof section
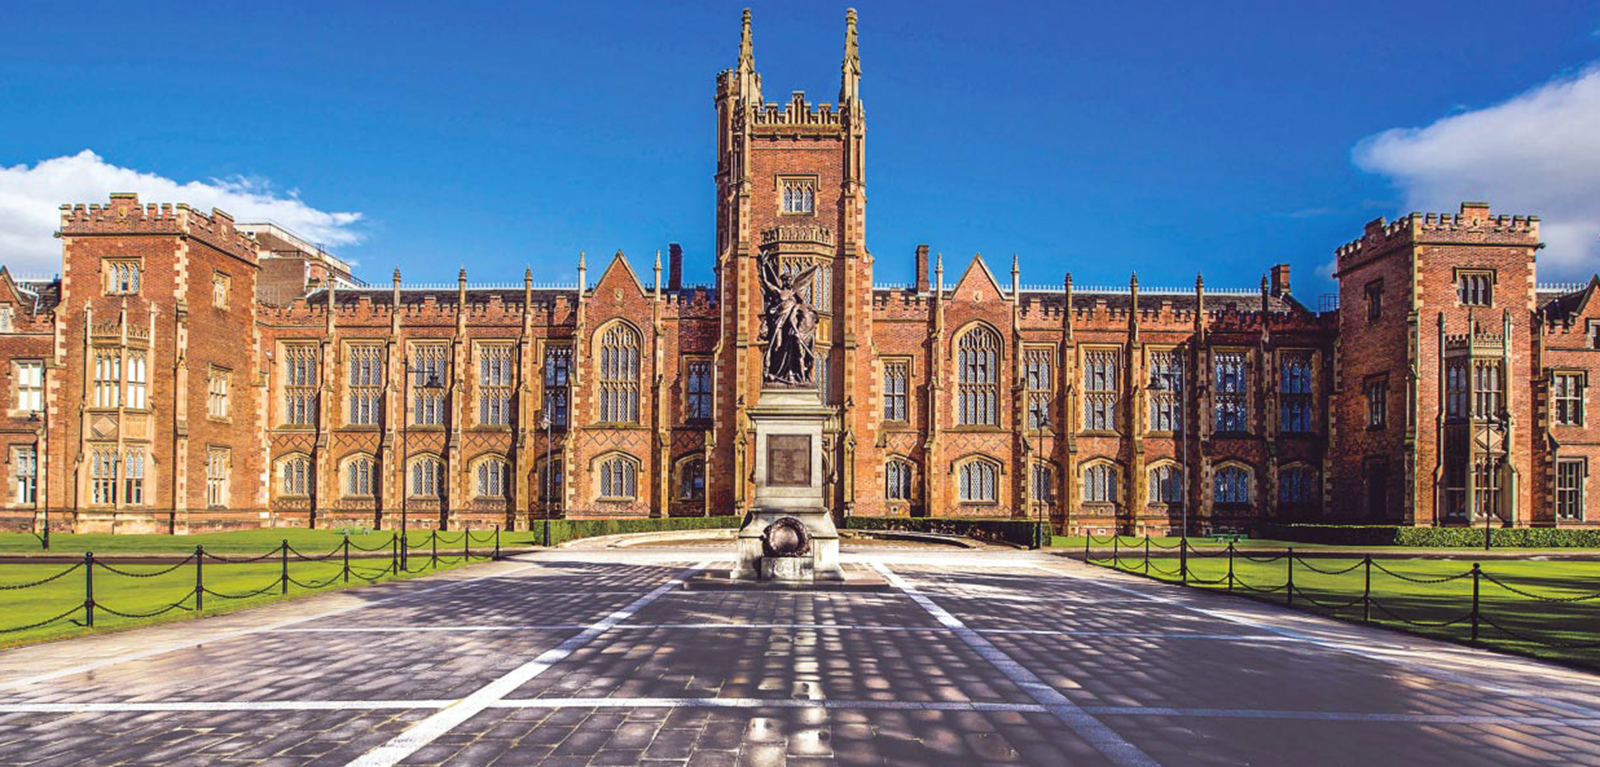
619	265
1574	303
979	278
32	297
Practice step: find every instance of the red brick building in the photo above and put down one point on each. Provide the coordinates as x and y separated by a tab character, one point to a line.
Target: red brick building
187	372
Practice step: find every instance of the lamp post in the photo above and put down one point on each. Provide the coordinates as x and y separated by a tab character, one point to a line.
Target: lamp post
432	382
38	442
1038	505
546	425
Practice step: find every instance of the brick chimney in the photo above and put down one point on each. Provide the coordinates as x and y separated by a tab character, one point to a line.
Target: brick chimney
922	269
674	266
1280	279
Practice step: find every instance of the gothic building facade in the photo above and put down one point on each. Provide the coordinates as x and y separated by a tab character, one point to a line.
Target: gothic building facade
187	372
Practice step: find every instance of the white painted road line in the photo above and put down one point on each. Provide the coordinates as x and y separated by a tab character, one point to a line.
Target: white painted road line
794	703
426	731
200	639
1092	730
218	705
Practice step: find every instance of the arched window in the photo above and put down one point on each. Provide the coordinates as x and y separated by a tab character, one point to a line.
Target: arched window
692	479
1166	484
897	480
619	479
1232	485
427	478
1100	483
492	473
980	481
1297	486
619	375
1043	477
978	377
360	476
295	472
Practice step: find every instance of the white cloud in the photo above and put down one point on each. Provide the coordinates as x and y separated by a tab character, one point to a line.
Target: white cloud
1538	153
31	199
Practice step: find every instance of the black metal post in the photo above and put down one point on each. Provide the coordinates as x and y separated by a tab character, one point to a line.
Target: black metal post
284	577
346	548
433	542
1087	537
1147	554
466	544
405	452
394	553
549	475
1116	551
497	543
1487	533
1366	593
199	578
88	589
1289	588
1476	573
1183	560
1230	566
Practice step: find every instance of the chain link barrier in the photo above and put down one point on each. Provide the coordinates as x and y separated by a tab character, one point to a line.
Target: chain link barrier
1474	618
284	553
42	581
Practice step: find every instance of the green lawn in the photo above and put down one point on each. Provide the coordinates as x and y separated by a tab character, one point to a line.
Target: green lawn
254	541
137	591
1418	607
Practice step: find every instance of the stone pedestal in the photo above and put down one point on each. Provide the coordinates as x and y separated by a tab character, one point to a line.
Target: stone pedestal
788	483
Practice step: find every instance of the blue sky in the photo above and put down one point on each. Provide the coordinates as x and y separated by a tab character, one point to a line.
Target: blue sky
1096	138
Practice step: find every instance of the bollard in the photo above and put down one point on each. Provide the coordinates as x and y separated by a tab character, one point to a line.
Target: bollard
466	544
433	543
1476	572
283	578
1147	555
88	589
394	553
346	548
1366	594
199	578
1183	560
1230	566
1116	551
1086	538
497	543
1290	588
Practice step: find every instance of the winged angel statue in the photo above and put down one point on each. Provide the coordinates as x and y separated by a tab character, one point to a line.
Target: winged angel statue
789	324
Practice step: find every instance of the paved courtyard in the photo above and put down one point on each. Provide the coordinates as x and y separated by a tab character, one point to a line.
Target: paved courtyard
929	657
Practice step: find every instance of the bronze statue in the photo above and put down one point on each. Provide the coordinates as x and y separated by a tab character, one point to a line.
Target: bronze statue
789	325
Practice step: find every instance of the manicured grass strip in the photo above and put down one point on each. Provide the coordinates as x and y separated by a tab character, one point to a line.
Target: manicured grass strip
166	592
1439	606
252	541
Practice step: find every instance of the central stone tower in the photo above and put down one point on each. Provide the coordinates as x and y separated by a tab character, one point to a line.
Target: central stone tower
791	199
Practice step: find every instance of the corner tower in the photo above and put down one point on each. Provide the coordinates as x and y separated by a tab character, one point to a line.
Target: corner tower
791	182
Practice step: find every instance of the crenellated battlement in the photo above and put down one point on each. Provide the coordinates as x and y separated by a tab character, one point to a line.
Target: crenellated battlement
797	113
1472	224
124	215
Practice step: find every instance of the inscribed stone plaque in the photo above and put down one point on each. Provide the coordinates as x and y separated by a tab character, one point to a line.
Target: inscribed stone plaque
789	460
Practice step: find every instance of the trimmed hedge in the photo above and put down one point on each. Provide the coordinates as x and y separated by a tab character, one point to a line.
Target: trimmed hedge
563	530
1007	530
1435	537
